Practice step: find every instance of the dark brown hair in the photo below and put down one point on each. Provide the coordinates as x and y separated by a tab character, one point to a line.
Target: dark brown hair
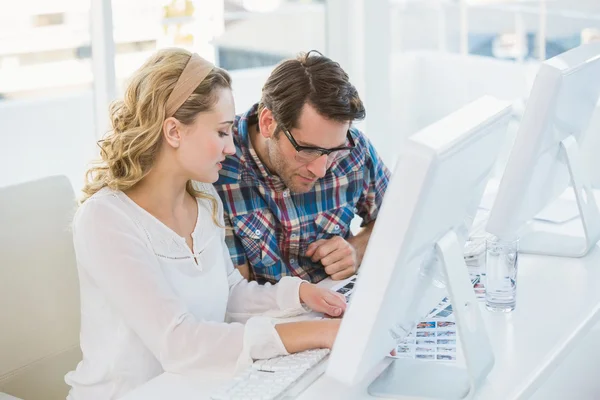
314	79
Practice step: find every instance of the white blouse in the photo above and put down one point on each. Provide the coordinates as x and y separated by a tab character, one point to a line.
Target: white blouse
147	307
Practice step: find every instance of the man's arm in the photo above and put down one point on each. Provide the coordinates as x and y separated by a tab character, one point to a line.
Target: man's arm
246	271
360	241
376	181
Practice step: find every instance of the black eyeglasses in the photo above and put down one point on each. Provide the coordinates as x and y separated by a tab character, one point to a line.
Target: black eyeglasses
306	154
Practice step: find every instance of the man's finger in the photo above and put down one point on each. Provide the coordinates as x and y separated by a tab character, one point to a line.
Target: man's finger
338	255
341	265
348	272
324	250
313	246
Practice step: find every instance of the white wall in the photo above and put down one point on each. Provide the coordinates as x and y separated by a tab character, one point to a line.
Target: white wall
247	86
429	85
44	137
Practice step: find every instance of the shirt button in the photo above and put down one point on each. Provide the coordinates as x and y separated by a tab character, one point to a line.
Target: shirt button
294	236
285	194
337	227
257	232
292	261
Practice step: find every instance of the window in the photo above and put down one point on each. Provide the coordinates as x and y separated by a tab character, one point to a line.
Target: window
235	34
501	29
40	44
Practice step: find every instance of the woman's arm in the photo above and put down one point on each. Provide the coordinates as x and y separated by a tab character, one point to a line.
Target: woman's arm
247	299
112	251
284	299
305	335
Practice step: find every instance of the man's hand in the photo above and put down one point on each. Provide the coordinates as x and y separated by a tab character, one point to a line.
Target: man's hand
337	256
322	300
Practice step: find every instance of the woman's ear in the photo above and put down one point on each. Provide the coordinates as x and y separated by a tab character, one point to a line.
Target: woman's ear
172	132
266	123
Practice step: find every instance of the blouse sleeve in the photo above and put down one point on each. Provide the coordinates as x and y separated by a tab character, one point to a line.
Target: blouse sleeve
114	252
247	299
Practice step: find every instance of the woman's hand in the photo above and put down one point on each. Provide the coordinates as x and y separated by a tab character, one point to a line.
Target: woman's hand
322	300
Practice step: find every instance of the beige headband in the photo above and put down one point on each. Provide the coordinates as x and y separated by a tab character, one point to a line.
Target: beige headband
196	69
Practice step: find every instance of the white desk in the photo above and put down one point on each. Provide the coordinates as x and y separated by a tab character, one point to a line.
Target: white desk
558	302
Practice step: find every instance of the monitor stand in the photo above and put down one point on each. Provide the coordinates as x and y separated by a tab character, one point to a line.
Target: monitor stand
437	380
555	244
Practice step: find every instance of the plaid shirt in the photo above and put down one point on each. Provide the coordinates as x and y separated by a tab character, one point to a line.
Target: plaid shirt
273	227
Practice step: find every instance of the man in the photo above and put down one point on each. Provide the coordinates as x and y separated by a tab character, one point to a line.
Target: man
300	174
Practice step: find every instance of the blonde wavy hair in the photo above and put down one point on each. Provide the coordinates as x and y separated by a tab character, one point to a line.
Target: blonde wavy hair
128	151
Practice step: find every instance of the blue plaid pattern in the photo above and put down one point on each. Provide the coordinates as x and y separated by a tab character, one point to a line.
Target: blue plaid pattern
272	227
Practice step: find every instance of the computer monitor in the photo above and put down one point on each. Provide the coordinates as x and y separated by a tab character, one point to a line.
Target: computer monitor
545	156
415	256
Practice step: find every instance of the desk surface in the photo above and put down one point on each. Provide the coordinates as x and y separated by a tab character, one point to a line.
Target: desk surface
558	301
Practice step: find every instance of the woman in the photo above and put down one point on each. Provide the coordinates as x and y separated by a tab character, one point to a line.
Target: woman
156	278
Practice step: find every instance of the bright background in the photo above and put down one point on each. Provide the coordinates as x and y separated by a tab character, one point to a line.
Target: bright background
413	62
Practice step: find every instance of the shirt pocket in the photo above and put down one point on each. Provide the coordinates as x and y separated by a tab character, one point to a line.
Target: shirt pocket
334	222
256	232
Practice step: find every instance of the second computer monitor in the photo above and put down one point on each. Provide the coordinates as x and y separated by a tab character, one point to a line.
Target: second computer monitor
545	156
427	210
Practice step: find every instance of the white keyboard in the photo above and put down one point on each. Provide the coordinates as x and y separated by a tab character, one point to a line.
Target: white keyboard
271	379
